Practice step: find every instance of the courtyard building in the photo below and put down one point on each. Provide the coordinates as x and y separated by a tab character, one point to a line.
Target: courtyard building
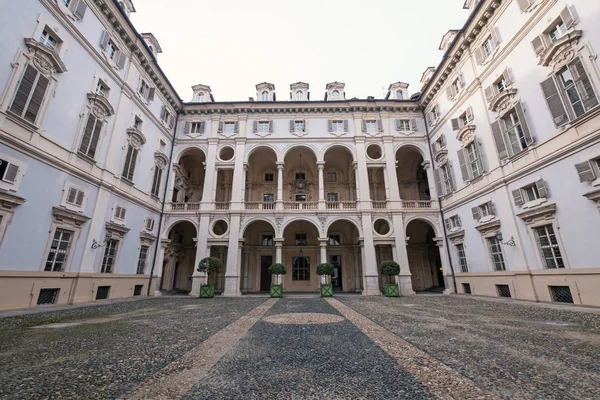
485	182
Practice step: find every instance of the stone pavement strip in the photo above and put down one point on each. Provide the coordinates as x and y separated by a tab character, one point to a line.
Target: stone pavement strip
177	378
441	380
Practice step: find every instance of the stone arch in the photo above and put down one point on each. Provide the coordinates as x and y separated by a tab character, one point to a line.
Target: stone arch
311	147
168	227
302	218
336	219
428	220
346	146
178	153
413	146
256	219
259	146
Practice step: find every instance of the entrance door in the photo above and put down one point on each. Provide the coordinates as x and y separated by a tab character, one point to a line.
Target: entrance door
336	279
265	277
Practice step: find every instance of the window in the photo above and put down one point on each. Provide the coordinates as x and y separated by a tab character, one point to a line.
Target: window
197	127
470	162
141	267
300	239
335	95
462	258
453	223
503	290
334	240
138	123
337	126
299	95
110	253
496	253
102	89
263	126
588	171
300	175
30	94
331	176
75	197
445	179
500	85
8	171
66	2
404	125
137	290
268	198
102	292
333	197
299	126
269	177
399	95
91	137
149	224
488	46
120	213
300	197
130	160
48	296
266	240
435	113
301	268
264	96
557	30
548	246
371	126
59	249
530	193
156	181
463	120
534	191
229	127
561	294
165	115
111	50
466	288
48	40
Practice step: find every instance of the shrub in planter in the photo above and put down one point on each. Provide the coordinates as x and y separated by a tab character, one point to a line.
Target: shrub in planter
390	269
277	270
325	270
209	265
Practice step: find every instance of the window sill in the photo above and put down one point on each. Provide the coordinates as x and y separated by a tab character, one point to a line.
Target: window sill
477	179
20	121
490	57
596	182
534	203
127	181
155	197
86	158
485	219
519	155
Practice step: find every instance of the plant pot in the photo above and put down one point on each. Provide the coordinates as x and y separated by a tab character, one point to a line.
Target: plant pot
276	290
326	290
207	291
391	290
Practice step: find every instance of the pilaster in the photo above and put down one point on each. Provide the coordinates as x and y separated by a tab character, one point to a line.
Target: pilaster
232	272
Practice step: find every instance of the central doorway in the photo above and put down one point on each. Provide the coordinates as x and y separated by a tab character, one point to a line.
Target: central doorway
336	278
265	277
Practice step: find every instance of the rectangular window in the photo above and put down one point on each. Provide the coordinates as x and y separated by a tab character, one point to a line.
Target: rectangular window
8	171
165	115
446	179
454	222
300	175
337	126
48	296
462	258
130	160
557	30
300	239
229	127
404	125
503	290
435	113
197	127
299	126
75	197
141	267
530	193
30	94
334	240
120	213
488	46
102	89
111	49
91	137
266	240
156	181
102	292
548	246
268	198
495	249
332	197
137	290
371	126
500	85
59	249
561	294
137	123
331	176
263	126
301	268
473	160
484	209
466	288
110	253
300	197
48	40
269	177
514	131
144	89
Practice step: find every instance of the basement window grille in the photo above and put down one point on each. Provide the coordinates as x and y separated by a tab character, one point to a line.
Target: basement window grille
503	290
561	294
137	290
102	292
48	296
466	288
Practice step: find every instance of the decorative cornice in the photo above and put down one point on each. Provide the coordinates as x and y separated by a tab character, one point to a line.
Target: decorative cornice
102	102
545	212
487	228
160	159
120	230
456	237
45	56
147	238
8	200
466	134
73	217
136	134
503	101
593	195
561	51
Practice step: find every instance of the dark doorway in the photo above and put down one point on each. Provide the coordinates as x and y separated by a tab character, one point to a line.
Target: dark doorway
176	276
440	271
265	278
336	279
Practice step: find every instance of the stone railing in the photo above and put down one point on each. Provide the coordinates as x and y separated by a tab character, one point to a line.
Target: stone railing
379	205
185	206
221	205
416	204
340	205
300	205
259	205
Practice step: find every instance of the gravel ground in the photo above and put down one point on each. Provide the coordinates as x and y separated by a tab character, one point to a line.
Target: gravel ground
123	344
320	361
512	351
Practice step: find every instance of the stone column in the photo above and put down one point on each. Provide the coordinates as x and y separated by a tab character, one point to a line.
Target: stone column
439	241
386	185
433	194
279	204
278	250
244	178
202	250
158	268
320	169
390	173
323	244
401	256
210	175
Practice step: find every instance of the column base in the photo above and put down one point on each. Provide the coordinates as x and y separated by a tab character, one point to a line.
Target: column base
197	281
371	286
232	287
405	284
446	291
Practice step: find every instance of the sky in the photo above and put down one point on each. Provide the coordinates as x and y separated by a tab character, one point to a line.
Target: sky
231	45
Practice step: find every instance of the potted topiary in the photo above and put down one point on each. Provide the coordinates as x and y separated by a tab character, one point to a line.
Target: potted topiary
390	269
209	265
325	270
276	270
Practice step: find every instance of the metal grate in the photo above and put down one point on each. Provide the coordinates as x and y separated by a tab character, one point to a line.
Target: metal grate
102	292
137	290
561	294
503	290
466	288
48	296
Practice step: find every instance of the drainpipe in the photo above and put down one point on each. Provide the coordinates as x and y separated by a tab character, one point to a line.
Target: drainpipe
164	199
440	203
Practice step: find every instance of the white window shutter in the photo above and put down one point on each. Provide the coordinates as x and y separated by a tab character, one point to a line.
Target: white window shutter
380	125
438	182
541	187
463	165
447	223
171	121
469	113
292	126
80	9
11	173
398	125
151	93
523	4
364	125
461	79
72	195
496	36
524	125
236	127
79	199
569	16
518	197
555	104
104	40
271	126
187	127
345	125
479	56
499	141
585	171
329	125
220	127
254	126
202	126
476	213
509	78
413	125
489	93
449	93
539	44
455	124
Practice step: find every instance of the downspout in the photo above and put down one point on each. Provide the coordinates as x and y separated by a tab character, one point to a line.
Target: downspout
164	200
440	203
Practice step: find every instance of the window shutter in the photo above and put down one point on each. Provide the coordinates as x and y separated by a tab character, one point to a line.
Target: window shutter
397	124
220	128
364	125
541	187
134	154
120	59
443	140
79	199
171	121
87	134
554	101
463	165
380	125
236	127
523	121
461	79
509	78
523	4
254	126
568	17
36	99
469	113
118	212
434	147
127	161
330	126
455	124
271	126
123	212
499	140
480	156
585	171
447	223
539	44
292	126
151	93
163	113
458	221
518	197
71	196
479	57
104	40
583	83
155	181
11	173
496	36
413	124
438	182
187	127
95	139
491	207
80	9
476	213
345	125
25	86
450	176
202	126
449	93
489	93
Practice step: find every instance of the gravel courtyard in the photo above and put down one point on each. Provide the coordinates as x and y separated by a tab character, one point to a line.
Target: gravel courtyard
423	347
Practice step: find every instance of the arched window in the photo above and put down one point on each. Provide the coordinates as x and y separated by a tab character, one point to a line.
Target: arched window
335	95
399	95
201	97
264	96
299	95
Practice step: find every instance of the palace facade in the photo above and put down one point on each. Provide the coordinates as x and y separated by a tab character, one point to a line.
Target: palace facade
485	182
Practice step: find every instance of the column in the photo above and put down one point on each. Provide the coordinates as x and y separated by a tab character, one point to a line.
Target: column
202	250
278	250
320	169
239	176
323	257
386	184
245	176
433	194
158	267
401	256
279	204
232	271
390	173
439	241
210	175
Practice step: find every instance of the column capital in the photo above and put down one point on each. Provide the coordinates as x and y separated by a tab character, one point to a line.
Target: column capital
439	241
426	164
320	164
323	241
280	164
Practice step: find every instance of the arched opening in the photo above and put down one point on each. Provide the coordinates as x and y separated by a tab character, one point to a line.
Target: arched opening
261	180
399	95
264	96
412	176
301	254
343	252
424	257
339	179
258	253
299	95
180	255
335	95
201	97
300	181
189	178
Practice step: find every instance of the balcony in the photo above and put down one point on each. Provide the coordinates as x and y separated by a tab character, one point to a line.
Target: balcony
221	205
341	205
259	205
185	206
415	204
300	205
379	204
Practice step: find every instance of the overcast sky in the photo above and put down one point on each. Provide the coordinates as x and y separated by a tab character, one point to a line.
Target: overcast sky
231	45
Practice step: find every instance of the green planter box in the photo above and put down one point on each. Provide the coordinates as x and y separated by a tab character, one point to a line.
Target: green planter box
276	290
391	290
207	291
326	290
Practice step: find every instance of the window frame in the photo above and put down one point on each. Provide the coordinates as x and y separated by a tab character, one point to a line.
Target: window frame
66	220
228	127
300	242
501	260
17	90
143	265
269	237
554	247
304	273
462	257
337	125
108	246
67	187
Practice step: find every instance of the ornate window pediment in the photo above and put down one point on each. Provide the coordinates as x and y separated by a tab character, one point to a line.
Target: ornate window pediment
147	239
116	229
8	201
489	229
69	217
466	134
101	107
542	213
441	156
562	51
457	237
504	101
160	159
136	137
300	187
45	58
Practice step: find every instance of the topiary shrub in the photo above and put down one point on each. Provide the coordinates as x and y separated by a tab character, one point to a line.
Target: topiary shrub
209	265
277	269
389	269
325	269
